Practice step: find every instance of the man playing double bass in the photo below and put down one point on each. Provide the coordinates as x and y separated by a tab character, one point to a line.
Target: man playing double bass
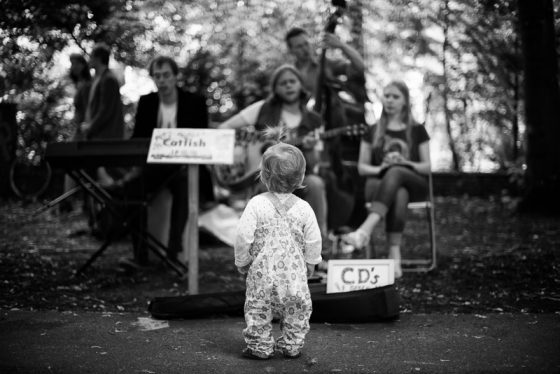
307	62
324	74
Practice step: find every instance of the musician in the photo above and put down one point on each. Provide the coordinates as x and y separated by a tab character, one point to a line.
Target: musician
103	119
81	78
307	62
169	107
285	106
342	74
395	157
104	113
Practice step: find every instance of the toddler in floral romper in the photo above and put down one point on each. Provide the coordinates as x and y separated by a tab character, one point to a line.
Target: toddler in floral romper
278	244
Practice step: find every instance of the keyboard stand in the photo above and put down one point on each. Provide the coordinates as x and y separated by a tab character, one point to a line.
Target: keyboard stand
58	200
101	195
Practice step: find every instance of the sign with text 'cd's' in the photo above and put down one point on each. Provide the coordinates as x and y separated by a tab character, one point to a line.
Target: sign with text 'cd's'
353	275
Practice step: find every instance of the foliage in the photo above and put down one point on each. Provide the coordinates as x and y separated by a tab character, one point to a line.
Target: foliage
32	33
478	42
231	47
228	49
53	24
40	109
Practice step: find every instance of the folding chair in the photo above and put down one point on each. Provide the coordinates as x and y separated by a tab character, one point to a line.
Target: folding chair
426	264
421	264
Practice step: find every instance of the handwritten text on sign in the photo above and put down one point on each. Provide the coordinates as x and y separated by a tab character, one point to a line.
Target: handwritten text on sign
192	146
353	275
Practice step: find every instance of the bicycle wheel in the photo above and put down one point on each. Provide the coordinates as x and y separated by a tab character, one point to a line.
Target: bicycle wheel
28	181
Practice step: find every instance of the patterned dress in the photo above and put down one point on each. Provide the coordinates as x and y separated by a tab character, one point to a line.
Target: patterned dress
277	234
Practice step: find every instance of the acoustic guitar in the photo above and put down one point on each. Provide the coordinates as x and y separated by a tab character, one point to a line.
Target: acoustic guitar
250	145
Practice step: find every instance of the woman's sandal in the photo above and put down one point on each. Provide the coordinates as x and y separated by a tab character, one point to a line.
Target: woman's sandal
357	239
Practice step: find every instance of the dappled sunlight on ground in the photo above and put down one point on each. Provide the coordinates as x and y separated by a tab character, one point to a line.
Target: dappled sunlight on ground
489	260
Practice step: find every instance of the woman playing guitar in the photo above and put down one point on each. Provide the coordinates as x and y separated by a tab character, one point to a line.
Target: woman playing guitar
286	107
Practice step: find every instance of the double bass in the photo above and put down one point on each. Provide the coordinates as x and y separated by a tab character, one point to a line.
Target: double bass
341	194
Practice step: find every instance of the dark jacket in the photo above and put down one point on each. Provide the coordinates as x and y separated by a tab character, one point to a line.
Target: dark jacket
191	113
107	119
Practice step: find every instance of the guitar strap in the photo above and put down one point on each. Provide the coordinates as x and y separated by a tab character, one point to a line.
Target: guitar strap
270	114
283	208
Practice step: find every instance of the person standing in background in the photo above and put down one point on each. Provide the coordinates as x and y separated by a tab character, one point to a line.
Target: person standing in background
81	78
104	119
104	114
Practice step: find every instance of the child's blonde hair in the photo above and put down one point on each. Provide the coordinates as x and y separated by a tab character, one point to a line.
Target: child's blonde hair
282	168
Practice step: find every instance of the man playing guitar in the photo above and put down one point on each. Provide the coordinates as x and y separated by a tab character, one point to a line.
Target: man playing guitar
286	107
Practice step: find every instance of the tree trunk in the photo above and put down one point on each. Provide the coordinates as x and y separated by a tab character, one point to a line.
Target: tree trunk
445	92
239	72
516	97
515	122
8	145
542	107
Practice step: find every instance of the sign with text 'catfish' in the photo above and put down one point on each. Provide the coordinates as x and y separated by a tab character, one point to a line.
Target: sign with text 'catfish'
192	146
353	275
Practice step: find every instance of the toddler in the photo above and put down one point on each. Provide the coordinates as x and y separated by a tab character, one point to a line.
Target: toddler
278	244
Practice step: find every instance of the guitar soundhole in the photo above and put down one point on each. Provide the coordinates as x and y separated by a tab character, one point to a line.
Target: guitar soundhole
232	173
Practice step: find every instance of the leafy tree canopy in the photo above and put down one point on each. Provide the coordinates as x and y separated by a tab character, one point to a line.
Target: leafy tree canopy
465	53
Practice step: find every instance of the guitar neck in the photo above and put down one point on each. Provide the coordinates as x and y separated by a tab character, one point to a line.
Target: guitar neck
357	129
259	136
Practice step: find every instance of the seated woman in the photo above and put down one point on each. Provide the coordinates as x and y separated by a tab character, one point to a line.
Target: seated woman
395	156
285	107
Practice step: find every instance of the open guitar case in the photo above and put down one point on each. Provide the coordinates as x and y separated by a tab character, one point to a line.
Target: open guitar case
371	305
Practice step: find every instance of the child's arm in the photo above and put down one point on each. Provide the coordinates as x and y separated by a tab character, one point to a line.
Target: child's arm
310	270
244	238
313	241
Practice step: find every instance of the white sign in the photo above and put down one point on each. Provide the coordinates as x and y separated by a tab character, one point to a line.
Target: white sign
192	146
353	275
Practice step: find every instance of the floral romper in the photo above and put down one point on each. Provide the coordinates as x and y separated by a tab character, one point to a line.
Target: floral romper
281	237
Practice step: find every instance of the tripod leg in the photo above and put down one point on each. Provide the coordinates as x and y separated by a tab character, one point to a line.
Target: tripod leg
58	200
158	249
98	253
